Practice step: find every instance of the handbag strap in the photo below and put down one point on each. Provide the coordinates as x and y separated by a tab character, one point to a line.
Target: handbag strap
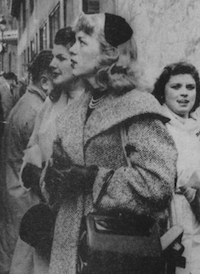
173	218
124	140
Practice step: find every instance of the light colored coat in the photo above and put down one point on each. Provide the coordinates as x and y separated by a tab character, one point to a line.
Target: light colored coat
186	134
18	130
7	100
144	188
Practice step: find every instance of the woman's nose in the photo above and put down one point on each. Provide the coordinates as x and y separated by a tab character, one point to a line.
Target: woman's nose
53	63
73	49
184	92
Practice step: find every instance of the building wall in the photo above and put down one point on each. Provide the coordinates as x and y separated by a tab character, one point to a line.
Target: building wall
10	57
165	32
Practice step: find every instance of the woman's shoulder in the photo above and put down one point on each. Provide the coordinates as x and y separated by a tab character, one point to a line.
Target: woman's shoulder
196	114
137	102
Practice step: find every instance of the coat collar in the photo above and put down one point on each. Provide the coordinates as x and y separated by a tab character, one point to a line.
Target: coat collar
113	110
34	89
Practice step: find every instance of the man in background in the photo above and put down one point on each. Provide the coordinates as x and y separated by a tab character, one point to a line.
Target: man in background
18	130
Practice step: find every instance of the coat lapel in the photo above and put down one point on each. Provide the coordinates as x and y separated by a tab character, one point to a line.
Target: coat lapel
70	127
113	110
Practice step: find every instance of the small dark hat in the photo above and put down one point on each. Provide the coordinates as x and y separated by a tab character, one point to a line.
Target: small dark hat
117	30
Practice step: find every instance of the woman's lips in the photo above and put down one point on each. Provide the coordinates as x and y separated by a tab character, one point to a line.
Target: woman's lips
55	74
73	63
183	101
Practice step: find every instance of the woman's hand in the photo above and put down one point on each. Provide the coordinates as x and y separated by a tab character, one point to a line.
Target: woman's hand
70	180
31	177
60	158
188	192
62	177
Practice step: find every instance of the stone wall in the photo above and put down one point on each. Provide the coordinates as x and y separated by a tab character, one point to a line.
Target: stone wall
165	31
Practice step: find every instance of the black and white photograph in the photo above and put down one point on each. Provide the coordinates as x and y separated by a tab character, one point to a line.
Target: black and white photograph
99	137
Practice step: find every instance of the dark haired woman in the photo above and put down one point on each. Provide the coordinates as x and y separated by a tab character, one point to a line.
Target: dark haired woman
66	88
103	56
39	149
178	90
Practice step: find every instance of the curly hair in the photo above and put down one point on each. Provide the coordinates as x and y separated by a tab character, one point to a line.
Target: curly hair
116	64
41	64
66	38
172	70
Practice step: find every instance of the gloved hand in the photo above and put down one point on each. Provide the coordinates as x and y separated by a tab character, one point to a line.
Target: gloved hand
81	178
76	179
60	159
63	177
31	178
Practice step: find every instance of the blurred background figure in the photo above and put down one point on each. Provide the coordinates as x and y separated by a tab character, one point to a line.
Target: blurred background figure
22	85
6	80
16	136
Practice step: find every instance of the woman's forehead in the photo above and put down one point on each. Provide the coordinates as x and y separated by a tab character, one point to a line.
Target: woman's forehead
60	49
181	78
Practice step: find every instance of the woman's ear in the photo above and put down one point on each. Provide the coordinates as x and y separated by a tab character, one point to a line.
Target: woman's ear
45	83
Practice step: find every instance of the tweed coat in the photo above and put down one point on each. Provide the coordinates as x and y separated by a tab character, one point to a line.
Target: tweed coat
144	189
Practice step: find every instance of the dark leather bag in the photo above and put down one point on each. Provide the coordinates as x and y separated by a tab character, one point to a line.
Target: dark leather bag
119	244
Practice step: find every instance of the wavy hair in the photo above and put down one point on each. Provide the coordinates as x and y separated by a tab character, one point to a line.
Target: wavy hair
66	38
115	71
172	70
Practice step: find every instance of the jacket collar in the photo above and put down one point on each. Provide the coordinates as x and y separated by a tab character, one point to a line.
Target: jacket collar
113	110
34	89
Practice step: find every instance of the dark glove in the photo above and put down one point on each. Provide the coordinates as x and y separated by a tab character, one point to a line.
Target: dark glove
81	178
55	173
61	160
59	183
63	177
31	178
37	227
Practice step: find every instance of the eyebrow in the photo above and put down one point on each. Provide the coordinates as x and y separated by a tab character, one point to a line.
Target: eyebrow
61	55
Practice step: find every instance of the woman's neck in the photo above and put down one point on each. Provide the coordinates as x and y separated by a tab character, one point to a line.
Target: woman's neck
92	82
75	89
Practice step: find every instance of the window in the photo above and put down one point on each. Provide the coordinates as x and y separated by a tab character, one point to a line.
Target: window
43	37
36	43
31	6
24	14
54	24
28	54
24	59
32	47
10	61
65	12
91	6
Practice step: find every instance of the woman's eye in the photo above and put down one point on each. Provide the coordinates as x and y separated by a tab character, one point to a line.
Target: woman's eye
176	86
82	42
61	58
190	87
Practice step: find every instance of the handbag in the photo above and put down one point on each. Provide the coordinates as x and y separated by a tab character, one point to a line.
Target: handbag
119	242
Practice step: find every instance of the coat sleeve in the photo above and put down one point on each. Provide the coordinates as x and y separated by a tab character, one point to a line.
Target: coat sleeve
149	183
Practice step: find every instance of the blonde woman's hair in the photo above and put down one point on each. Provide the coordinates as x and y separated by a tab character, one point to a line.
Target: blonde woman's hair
116	65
